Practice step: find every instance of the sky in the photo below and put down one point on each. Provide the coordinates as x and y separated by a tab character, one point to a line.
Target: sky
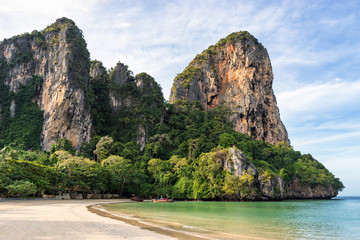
314	47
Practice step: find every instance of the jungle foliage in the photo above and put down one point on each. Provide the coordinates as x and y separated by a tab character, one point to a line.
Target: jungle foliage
21	120
181	159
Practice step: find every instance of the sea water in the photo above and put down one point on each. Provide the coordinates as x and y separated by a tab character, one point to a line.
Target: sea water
298	219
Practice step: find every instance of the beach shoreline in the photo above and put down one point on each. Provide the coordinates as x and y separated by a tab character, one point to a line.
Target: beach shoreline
96	209
171	228
71	219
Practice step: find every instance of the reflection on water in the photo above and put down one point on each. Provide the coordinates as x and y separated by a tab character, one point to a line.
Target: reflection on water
305	219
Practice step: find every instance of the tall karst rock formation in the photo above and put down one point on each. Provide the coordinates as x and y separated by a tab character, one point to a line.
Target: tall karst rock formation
59	56
52	70
135	103
235	73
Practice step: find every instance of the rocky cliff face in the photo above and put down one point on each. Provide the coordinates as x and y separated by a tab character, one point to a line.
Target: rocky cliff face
272	186
119	77
237	163
58	54
136	103
296	190
97	69
236	73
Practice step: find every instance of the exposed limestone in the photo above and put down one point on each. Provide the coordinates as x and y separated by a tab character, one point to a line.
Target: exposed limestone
272	187
116	101
12	108
141	136
96	69
142	83
237	163
120	74
296	190
236	73
58	54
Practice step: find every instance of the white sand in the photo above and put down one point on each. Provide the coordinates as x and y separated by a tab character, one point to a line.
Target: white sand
64	219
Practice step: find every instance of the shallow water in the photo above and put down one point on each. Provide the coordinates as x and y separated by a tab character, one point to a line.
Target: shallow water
298	219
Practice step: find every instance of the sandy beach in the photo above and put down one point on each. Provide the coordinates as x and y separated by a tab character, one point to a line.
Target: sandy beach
62	219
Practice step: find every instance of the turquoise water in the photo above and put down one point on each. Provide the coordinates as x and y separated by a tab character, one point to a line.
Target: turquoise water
298	219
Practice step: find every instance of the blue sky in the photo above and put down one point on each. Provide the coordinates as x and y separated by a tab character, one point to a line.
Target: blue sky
314	48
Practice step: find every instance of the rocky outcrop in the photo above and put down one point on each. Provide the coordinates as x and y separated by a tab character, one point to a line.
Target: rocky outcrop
138	98
272	186
12	108
136	103
119	76
296	190
237	163
235	73
58	54
96	69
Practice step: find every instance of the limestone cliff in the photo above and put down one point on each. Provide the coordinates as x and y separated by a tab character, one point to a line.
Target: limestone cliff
120	76
58	54
236	73
296	190
136	103
271	186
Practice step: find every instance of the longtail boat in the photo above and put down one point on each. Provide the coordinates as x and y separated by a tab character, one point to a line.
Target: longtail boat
159	200
137	199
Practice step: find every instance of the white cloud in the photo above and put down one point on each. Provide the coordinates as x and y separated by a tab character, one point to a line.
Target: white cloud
318	99
306	140
17	16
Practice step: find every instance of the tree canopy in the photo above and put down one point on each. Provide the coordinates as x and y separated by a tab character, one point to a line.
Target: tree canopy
180	159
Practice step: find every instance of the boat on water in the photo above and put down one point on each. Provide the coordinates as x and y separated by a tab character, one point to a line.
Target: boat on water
137	199
160	200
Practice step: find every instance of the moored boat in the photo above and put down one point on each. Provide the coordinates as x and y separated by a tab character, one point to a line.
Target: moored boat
137	199
158	200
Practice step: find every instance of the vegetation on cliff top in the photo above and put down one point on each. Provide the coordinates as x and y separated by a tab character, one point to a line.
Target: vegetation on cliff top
236	37
142	105
194	68
79	64
63	29
188	75
20	119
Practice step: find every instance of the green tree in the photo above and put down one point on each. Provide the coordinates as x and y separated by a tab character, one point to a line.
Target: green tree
158	146
62	144
78	170
87	148
209	175
21	188
227	140
122	173
103	148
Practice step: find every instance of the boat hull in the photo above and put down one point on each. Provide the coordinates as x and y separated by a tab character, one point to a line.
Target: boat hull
162	200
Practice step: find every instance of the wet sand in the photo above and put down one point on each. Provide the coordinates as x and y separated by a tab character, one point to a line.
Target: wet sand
70	219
